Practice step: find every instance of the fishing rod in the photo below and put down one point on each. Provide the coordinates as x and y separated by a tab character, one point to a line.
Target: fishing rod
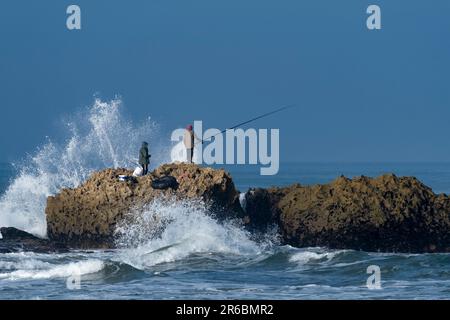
253	119
237	125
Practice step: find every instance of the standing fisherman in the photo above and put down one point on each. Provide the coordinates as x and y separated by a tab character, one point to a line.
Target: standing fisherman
189	142
144	157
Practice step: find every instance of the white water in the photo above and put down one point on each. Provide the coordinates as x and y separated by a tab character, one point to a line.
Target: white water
35	269
242	200
168	231
100	137
307	256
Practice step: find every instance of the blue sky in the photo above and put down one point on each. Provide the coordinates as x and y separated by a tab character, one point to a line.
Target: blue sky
361	95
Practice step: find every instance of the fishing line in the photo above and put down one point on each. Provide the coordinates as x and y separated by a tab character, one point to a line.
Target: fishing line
254	119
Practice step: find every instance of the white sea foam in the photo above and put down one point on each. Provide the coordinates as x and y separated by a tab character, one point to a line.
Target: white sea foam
305	257
243	201
99	138
36	271
23	264
172	230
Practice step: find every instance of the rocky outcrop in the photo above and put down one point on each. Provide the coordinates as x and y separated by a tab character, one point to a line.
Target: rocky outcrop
388	213
15	240
87	216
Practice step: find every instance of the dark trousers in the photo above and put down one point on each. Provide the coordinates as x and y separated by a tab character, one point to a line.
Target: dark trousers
190	154
144	168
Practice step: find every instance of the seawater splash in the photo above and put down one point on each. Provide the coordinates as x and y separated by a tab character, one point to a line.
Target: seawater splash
99	138
168	231
33	269
313	254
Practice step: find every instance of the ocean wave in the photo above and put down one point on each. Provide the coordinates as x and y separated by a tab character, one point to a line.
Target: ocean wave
99	138
168	231
55	271
26	264
305	257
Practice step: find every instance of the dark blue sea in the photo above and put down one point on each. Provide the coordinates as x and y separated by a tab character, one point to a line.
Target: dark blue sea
197	257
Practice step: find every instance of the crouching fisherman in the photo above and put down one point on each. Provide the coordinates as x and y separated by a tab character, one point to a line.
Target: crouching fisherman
144	158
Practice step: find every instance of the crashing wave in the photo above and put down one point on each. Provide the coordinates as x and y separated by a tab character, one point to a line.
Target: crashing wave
101	137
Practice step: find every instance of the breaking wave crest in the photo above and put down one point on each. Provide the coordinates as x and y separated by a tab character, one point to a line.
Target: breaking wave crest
99	138
168	231
32	268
